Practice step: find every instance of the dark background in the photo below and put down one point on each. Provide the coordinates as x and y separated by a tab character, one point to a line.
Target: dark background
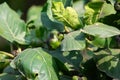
23	5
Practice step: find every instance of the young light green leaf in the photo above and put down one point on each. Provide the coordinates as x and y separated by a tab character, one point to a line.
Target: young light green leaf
73	41
67	15
35	64
101	30
109	62
48	20
107	9
12	27
93	10
99	42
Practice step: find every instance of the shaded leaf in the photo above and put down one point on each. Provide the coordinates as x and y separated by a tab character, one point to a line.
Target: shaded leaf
5	59
70	61
35	64
67	2
101	30
92	73
47	18
12	27
109	62
64	77
79	7
73	41
6	76
111	1
93	10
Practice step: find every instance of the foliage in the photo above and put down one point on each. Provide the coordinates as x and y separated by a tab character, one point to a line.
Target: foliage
62	41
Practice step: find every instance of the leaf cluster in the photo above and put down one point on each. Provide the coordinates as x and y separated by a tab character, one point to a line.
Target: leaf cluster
62	41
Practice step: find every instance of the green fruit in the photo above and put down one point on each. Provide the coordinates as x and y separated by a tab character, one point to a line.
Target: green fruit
60	37
54	42
99	42
75	78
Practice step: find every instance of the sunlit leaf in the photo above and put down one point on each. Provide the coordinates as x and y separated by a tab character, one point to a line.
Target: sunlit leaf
73	41
12	27
101	30
35	64
67	15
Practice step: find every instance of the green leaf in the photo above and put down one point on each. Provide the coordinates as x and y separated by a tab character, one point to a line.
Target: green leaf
35	64
11	74
99	42
67	2
64	77
107	9
48	20
12	27
109	62
79	7
93	10
67	15
6	76
70	61
33	16
101	30
73	41
5	59
111	1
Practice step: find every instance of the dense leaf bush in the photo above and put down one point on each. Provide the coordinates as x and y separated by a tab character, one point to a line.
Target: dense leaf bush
62	40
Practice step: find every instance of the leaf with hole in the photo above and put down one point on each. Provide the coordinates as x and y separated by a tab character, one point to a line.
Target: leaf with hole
35	64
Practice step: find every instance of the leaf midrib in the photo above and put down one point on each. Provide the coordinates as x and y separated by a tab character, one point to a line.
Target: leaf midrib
8	27
45	63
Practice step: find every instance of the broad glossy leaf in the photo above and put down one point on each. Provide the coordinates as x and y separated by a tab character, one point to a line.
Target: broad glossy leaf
47	18
73	41
109	62
12	27
70	61
35	64
101	30
67	15
93	10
